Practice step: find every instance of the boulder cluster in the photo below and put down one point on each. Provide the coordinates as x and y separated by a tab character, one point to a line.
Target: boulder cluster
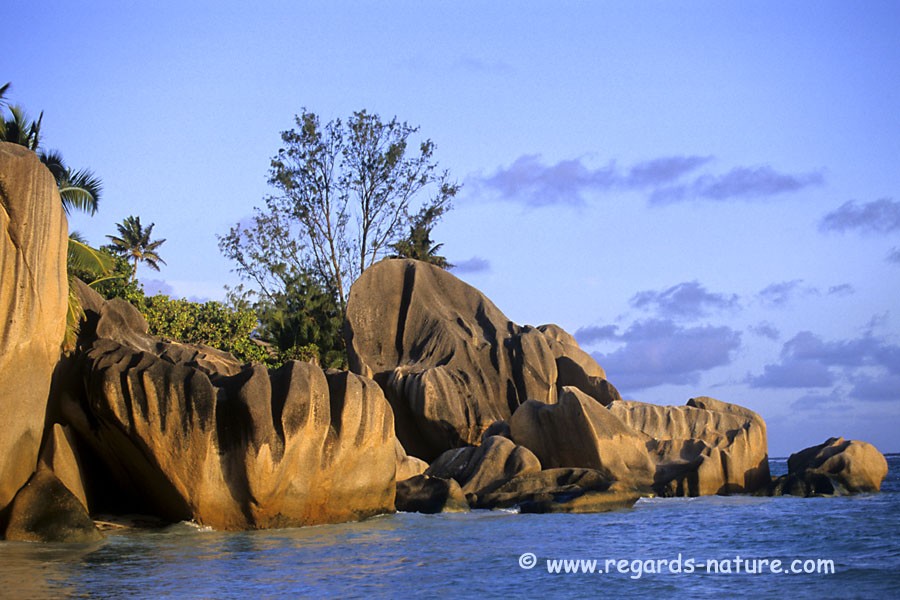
448	406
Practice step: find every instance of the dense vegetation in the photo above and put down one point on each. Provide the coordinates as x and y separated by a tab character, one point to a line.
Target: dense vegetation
346	197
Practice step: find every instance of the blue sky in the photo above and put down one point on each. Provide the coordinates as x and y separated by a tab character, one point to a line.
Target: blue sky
707	194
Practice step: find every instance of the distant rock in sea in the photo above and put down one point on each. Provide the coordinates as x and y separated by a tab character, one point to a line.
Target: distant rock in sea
834	468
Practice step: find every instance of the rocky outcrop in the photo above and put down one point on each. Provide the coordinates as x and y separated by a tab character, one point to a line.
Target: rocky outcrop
45	510
559	490
58	456
407	466
195	435
706	447
449	361
580	432
576	368
430	495
834	468
33	300
486	467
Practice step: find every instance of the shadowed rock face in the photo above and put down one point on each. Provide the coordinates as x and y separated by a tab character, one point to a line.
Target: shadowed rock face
707	447
449	361
198	436
33	296
835	467
430	495
45	510
559	490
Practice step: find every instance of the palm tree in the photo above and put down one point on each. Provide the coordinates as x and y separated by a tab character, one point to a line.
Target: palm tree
17	129
77	189
418	244
133	242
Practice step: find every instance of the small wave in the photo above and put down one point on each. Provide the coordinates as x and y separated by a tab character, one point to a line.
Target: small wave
197	526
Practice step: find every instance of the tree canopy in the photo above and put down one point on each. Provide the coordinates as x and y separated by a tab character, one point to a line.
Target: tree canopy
347	194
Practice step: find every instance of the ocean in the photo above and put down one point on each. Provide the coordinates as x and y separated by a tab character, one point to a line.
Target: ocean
847	547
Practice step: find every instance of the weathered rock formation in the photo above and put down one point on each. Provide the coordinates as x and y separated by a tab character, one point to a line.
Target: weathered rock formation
559	490
707	447
449	361
508	415
429	495
580	432
834	468
45	510
407	466
481	469
195	435
33	300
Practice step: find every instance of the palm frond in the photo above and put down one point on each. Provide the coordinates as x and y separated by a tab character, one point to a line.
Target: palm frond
53	160
80	190
74	315
82	257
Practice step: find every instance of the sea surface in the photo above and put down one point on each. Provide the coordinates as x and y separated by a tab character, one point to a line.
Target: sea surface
500	554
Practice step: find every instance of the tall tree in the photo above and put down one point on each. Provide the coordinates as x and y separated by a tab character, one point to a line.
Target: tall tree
134	243
345	197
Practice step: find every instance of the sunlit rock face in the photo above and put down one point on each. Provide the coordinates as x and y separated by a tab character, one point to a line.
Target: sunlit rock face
833	468
706	447
580	432
33	300
449	361
196	435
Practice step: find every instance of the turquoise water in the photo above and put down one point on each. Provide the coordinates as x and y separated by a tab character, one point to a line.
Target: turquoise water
478	554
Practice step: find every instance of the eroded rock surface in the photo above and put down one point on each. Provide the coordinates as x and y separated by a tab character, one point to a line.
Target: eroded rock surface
559	490
833	468
33	300
580	432
480	469
706	447
196	435
450	362
430	495
45	510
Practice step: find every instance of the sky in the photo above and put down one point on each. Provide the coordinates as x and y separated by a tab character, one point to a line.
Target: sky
706	194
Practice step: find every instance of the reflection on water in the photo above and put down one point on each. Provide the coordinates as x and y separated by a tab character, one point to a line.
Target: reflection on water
477	554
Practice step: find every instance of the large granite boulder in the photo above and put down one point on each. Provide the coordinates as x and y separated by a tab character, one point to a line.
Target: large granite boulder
45	510
833	468
706	447
449	361
580	432
576	368
430	495
564	490
193	434
480	469
33	300
407	466
59	456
